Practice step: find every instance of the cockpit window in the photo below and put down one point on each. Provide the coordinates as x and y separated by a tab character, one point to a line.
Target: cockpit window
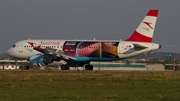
14	46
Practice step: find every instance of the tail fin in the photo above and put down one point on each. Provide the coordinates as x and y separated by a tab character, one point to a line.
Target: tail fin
145	31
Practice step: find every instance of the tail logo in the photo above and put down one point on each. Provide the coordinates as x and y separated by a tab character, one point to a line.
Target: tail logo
149	24
145	30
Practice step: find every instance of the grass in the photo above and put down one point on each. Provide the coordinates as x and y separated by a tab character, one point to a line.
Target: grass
89	86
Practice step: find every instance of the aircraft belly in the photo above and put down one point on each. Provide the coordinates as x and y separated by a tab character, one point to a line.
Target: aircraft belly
82	59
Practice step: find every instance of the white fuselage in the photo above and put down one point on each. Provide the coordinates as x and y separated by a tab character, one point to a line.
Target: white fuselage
122	49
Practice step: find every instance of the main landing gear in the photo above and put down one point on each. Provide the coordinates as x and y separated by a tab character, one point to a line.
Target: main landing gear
26	67
64	67
89	67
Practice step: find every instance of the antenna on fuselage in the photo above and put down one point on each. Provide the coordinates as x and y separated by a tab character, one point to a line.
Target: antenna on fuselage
94	39
29	38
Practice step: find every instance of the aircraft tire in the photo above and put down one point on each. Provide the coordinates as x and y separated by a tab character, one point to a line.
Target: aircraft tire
64	67
26	67
89	67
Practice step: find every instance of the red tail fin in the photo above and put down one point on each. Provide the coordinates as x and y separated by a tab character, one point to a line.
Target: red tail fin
145	31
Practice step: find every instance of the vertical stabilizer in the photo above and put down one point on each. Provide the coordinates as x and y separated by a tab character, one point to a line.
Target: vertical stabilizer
145	31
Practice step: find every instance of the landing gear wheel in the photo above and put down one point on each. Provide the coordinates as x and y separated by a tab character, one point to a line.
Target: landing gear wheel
89	67
26	67
64	67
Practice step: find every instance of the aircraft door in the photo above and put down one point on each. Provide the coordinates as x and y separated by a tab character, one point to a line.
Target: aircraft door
121	47
61	46
20	47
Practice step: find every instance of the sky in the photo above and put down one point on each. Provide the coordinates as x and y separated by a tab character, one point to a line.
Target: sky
86	19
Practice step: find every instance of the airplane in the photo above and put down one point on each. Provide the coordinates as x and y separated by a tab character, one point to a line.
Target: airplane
80	53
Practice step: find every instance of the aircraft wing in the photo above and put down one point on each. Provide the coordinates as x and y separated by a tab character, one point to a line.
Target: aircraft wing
54	52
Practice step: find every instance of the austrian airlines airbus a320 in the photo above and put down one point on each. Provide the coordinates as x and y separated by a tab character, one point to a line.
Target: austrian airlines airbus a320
78	53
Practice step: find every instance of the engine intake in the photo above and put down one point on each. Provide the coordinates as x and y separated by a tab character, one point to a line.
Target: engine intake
40	60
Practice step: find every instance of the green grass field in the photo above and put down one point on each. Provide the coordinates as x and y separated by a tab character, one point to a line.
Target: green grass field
89	86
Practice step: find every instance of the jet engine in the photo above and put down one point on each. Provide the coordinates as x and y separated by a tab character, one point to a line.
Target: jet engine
40	60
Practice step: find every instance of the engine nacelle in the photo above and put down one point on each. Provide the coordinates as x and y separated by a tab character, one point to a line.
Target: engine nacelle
40	60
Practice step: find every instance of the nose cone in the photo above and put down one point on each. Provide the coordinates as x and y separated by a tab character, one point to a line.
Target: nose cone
10	52
15	53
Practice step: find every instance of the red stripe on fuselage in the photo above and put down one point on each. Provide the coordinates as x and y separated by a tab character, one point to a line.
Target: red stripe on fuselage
139	38
152	13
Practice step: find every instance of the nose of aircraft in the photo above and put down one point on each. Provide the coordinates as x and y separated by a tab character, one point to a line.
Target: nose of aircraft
9	52
12	53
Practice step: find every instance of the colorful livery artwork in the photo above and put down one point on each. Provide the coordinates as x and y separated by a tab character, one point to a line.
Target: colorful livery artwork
91	49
